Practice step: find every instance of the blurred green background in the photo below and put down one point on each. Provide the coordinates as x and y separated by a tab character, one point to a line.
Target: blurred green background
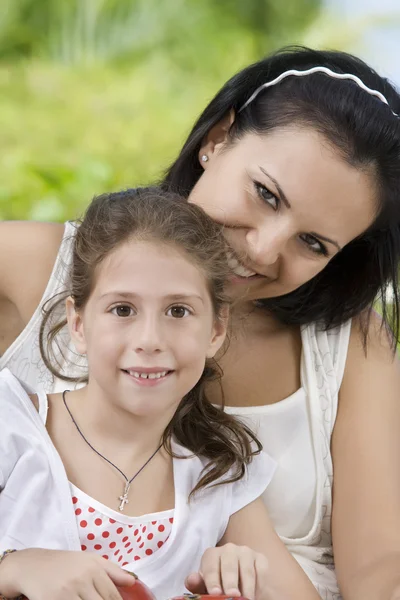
98	95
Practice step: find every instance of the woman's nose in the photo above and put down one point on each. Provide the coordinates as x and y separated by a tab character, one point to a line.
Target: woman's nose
266	246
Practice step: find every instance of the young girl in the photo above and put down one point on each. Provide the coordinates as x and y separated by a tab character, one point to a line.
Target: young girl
136	469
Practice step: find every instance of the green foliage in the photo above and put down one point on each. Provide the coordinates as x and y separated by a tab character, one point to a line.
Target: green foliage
97	95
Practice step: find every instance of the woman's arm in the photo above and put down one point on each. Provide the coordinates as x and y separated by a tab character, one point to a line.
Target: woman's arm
27	254
366	457
252	559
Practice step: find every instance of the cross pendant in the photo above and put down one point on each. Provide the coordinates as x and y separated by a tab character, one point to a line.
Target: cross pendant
124	498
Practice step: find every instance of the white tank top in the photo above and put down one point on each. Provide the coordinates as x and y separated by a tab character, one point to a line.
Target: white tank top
296	432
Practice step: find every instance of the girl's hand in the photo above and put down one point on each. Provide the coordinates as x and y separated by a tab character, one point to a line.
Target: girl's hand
231	570
42	574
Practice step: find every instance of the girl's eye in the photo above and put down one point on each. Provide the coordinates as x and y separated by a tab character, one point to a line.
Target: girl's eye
122	311
266	196
313	244
178	312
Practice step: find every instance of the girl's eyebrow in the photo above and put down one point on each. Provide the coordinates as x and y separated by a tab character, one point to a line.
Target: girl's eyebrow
281	193
287	204
184	296
170	297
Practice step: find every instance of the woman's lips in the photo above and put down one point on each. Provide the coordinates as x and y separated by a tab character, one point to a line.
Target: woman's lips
237	267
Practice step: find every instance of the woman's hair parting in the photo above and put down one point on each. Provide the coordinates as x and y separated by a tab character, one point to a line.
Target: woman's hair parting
356	110
148	214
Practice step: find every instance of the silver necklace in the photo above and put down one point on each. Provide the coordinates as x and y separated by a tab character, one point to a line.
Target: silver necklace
124	498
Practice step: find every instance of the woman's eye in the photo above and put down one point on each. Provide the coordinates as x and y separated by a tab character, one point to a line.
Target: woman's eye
122	311
178	312
313	244
266	195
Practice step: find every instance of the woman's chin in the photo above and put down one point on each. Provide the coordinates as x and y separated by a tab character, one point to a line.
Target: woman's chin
247	289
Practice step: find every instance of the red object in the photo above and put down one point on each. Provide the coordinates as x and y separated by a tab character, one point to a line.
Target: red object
138	591
206	597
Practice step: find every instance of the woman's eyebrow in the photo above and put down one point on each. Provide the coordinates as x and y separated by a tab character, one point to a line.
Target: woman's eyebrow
282	194
325	239
286	202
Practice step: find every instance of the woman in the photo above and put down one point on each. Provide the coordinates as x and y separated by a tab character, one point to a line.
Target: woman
304	171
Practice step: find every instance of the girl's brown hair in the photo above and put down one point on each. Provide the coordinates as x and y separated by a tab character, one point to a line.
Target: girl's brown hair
148	214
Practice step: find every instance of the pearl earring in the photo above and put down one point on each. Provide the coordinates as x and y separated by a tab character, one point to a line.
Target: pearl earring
204	158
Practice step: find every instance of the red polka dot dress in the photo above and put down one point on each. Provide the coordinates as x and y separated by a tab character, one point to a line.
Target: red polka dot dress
115	536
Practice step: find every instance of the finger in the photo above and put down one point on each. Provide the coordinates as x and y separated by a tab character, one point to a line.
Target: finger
211	571
105	588
229	567
117	575
89	592
195	583
247	575
262	575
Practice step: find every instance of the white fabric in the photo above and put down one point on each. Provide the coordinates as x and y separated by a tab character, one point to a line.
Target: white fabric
36	508
291	495
296	433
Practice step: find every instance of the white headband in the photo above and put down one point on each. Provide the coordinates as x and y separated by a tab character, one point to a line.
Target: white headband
325	70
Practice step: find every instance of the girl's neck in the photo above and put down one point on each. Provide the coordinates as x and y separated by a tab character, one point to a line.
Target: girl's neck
104	422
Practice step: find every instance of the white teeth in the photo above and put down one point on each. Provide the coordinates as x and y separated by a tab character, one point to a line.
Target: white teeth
237	267
157	375
148	375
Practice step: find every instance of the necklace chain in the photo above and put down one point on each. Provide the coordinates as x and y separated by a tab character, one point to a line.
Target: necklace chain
124	498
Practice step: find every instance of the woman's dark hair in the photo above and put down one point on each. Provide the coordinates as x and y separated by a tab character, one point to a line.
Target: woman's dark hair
367	135
148	214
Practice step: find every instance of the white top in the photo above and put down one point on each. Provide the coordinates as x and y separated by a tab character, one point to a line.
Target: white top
291	495
31	470
296	432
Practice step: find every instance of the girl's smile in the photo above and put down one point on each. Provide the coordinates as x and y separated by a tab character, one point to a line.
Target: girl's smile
148	376
147	329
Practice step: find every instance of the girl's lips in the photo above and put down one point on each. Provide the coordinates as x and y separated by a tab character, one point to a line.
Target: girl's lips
147	381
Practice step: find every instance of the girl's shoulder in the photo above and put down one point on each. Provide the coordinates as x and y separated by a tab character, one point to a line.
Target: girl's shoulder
235	494
22	423
17	396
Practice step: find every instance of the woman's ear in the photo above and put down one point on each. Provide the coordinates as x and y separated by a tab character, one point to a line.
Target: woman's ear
75	326
215	138
220	328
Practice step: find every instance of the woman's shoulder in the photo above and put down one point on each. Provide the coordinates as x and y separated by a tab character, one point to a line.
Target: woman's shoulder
326	350
28	251
371	346
241	490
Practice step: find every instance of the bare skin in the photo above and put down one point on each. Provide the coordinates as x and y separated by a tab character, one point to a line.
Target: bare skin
24	273
278	246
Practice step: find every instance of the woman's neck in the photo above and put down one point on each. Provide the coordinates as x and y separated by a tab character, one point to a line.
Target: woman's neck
248	317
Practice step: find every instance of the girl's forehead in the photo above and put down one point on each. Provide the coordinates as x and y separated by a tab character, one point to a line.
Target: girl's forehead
141	267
